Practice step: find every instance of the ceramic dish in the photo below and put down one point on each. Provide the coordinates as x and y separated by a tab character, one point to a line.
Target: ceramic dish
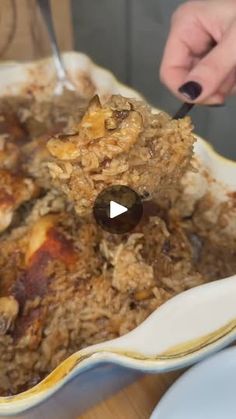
179	333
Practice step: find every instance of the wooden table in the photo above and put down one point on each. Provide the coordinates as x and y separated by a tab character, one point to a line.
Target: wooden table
136	401
22	33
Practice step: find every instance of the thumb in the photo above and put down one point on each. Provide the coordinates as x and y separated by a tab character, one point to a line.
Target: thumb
209	74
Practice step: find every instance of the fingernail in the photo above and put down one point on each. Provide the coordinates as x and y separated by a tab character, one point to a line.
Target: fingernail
191	90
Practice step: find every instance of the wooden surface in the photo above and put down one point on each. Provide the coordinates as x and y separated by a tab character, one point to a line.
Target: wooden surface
134	402
22	33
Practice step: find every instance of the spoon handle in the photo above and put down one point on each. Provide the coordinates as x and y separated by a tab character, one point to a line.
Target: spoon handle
46	12
183	110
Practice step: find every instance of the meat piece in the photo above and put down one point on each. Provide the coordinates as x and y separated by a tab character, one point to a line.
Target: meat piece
11	125
46	239
14	191
12	136
131	273
9	153
38	236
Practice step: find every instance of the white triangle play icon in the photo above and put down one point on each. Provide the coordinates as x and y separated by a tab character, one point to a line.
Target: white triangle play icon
116	209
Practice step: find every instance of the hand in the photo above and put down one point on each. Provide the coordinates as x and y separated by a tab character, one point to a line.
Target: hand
199	63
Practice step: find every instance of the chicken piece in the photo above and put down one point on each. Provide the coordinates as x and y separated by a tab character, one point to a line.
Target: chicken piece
11	125
9	309
9	153
121	142
14	191
46	240
127	258
12	137
39	234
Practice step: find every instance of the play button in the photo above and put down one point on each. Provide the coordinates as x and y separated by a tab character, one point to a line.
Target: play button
118	209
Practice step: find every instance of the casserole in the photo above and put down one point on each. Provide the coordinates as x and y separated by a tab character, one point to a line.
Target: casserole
179	333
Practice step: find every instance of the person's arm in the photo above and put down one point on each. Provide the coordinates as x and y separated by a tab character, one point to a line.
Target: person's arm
199	62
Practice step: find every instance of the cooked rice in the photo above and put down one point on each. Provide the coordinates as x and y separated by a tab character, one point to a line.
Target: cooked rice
66	284
122	142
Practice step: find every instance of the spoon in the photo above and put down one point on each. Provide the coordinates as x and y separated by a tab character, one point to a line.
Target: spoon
63	81
183	110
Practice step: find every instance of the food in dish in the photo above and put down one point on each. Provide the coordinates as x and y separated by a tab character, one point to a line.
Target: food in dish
65	283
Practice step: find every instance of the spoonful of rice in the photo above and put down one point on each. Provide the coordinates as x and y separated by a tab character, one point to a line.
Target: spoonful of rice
120	142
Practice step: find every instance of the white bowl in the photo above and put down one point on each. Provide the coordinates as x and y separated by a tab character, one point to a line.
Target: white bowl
179	333
205	391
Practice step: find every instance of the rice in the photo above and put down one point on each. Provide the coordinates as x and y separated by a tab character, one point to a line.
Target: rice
66	284
122	142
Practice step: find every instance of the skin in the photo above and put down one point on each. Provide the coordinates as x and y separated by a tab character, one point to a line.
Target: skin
201	47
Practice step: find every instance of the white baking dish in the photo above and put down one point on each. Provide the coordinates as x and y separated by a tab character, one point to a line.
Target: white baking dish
182	331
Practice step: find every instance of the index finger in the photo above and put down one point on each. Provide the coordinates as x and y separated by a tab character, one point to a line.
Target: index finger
187	43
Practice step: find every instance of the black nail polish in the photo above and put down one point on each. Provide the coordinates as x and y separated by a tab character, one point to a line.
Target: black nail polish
191	90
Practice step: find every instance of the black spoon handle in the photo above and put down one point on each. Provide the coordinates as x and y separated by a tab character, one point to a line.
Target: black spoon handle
183	110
